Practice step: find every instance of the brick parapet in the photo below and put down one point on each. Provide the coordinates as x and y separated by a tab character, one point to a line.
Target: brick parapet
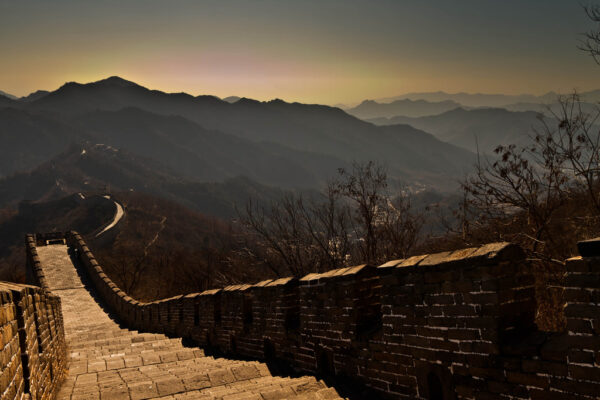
33	354
34	271
461	320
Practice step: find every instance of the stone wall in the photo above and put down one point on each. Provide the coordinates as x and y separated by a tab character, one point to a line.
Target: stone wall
32	339
441	326
33	350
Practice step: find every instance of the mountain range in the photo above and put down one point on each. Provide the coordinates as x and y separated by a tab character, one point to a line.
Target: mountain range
409	108
477	129
231	99
101	168
9	96
206	139
489	100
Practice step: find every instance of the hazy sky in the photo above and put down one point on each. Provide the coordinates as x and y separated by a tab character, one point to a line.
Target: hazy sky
312	51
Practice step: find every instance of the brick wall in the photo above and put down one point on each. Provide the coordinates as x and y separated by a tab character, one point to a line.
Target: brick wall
450	325
32	340
33	354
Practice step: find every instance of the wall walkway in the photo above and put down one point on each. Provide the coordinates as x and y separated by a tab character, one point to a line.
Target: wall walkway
108	361
453	325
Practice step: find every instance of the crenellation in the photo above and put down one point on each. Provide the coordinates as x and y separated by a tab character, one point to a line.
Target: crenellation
462	321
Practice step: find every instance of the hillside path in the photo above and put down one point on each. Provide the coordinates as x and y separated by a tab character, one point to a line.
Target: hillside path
119	212
111	362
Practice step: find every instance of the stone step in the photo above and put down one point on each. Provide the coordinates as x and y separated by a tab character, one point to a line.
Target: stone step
108	361
84	343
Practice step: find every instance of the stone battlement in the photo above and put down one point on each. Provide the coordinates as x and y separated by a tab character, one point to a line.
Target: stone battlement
450	325
33	353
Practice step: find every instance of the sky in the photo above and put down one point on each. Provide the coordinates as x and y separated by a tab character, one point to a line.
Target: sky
313	51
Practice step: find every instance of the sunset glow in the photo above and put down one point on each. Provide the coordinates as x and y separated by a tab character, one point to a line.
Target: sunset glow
309	51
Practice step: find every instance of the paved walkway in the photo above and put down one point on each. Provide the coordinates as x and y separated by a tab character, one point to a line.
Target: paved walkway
109	362
119	212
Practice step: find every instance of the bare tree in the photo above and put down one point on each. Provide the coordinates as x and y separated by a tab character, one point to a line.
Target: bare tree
356	221
591	41
526	182
574	134
130	268
398	232
298	236
365	186
544	183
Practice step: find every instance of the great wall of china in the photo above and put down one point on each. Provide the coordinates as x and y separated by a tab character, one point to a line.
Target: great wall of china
454	325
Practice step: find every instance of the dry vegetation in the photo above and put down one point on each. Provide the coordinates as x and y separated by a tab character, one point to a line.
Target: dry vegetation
67	213
161	249
545	197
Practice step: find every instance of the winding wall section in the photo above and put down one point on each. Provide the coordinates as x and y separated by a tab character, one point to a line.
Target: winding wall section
441	326
109	361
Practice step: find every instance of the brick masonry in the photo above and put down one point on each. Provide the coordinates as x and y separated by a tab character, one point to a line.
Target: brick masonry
450	325
109	361
32	342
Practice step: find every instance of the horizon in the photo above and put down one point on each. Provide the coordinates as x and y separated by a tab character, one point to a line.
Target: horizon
381	100
311	52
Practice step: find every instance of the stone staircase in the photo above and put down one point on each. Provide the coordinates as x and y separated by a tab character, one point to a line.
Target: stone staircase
108	361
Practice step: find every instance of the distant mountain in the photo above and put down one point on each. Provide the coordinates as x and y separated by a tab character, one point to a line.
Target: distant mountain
28	139
592	96
319	132
35	95
115	93
343	106
67	213
231	99
73	212
6	102
101	168
490	100
548	109
10	96
31	138
204	155
485	128
407	108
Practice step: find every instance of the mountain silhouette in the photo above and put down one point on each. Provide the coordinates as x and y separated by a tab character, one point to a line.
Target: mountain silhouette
491	100
38	94
275	142
7	95
98	168
231	99
6	102
479	129
28	139
405	107
204	155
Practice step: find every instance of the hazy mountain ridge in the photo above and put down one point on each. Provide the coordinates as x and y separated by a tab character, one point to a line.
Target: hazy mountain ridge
8	95
103	168
304	133
38	94
552	108
28	139
200	154
6	102
405	107
231	99
478	129
489	100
